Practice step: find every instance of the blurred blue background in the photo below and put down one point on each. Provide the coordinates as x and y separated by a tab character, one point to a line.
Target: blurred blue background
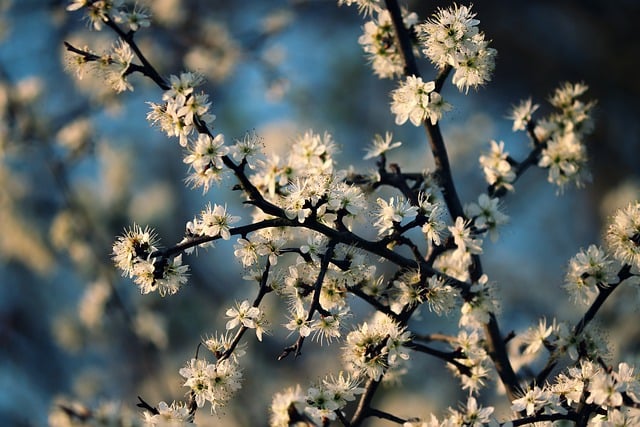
80	163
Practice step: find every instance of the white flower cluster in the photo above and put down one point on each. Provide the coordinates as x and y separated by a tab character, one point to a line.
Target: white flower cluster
215	383
112	66
417	101
469	415
565	154
306	183
378	41
486	215
591	384
183	110
597	268
586	270
306	207
559	137
134	254
474	357
451	37
392	213
296	286
204	157
214	221
247	316
321	402
623	236
100	11
558	339
376	348
411	290
174	415
497	169
365	7
480	304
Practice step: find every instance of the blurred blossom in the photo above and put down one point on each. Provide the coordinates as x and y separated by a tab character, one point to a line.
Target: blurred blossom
20	241
76	135
618	197
151	327
28	89
217	54
115	172
93	302
152	204
277	21
67	333
168	12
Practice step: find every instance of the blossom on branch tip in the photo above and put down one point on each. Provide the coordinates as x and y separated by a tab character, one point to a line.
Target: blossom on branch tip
451	37
532	401
623	236
586	271
135	19
219	344
486	215
283	404
475	415
379	42
248	316
214	221
496	167
536	337
134	246
375	347
480	304
521	114
416	101
98	11
174	275
249	148
213	383
174	415
365	7
298	321
392	213
463	238
329	327
242	314
206	152
566	158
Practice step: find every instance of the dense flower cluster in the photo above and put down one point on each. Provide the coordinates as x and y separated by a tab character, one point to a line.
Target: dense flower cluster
316	230
213	383
452	38
100	11
378	41
322	401
135	254
586	271
375	348
417	101
498	171
183	110
623	236
559	137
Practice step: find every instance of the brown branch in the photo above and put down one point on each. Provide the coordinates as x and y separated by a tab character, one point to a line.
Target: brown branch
604	292
495	344
363	410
